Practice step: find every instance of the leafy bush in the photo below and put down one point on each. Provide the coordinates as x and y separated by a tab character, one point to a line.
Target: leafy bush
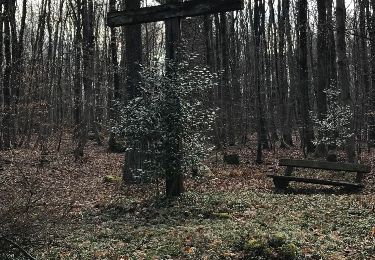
277	240
181	99
288	251
334	128
275	246
257	249
112	179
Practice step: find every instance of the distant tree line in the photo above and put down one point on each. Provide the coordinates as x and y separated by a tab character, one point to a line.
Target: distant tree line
278	63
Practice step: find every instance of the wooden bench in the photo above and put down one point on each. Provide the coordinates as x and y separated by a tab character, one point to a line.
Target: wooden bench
282	182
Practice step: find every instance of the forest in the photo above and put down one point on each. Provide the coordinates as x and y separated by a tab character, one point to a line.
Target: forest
187	129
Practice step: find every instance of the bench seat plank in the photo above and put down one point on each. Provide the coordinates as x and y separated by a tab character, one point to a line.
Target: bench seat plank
348	167
315	181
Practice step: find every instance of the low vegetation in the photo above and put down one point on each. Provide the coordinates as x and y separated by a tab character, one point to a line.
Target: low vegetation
232	212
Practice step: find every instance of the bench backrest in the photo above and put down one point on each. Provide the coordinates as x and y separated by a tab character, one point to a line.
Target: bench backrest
348	167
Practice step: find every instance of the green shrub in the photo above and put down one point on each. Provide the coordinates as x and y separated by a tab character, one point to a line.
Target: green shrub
288	251
277	240
112	179
169	106
275	246
257	249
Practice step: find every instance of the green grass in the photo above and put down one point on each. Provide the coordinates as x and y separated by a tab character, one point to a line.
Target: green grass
216	225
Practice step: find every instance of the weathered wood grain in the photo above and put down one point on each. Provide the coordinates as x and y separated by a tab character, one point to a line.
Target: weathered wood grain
315	181
349	167
172	10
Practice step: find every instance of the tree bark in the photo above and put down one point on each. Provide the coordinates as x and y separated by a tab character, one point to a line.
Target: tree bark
283	85
115	70
133	45
365	79
227	97
323	77
77	70
304	84
343	71
371	135
88	45
331	45
207	30
7	120
173	163
259	30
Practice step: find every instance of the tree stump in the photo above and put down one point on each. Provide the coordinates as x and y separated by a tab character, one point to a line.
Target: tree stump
232	159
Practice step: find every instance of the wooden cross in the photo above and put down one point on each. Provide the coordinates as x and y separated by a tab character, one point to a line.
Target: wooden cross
173	9
171	13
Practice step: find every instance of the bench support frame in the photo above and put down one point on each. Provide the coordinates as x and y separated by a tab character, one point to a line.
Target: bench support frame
282	182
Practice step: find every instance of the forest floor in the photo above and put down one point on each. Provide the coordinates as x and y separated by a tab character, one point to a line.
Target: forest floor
61	209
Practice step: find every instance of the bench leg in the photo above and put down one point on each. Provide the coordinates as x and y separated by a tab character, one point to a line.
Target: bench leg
280	184
359	177
288	171
353	189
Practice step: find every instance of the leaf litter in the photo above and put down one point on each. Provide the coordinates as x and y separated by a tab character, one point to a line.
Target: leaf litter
77	215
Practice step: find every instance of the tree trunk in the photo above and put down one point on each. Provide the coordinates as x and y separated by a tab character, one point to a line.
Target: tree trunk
18	65
7	121
173	163
343	71
323	77
77	70
133	42
365	79
207	31
227	97
283	85
259	24
272	72
292	69
371	135
113	99
235	77
331	46
304	85
88	46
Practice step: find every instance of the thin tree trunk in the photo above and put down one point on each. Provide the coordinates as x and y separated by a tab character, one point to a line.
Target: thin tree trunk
371	135
365	79
343	71
133	42
262	140
207	31
331	46
77	70
227	97
173	164
283	85
292	70
7	142
2	129
304	85
113	99
323	78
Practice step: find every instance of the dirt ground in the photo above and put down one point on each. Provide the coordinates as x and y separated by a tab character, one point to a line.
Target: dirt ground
56	208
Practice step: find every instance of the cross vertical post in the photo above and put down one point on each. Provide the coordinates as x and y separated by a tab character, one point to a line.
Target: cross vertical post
174	174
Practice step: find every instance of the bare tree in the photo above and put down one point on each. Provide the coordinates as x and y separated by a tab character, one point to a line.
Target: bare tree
133	42
7	119
115	96
323	78
343	70
371	136
304	84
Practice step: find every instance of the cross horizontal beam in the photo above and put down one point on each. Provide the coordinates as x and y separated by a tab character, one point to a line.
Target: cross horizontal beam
172	10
